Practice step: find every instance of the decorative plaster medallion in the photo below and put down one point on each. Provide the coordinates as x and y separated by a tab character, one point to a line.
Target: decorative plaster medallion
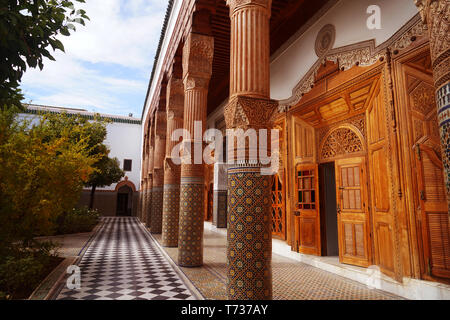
325	40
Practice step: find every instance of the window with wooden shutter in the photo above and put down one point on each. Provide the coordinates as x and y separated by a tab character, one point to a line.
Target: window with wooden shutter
127	165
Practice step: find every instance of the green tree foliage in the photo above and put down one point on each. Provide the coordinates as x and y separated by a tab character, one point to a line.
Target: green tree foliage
44	164
43	167
107	172
28	29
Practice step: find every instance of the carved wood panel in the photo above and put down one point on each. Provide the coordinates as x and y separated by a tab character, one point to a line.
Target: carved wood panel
353	214
431	211
307	213
303	141
381	184
278	207
341	142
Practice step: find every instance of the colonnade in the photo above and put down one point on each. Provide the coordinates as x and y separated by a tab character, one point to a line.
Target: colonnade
172	196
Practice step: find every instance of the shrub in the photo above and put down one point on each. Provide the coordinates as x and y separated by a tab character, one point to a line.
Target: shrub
23	269
78	220
17	274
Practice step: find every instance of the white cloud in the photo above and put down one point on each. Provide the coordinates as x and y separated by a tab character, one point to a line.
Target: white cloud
125	32
122	35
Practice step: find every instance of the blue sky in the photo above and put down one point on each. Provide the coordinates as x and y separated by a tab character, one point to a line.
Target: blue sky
107	64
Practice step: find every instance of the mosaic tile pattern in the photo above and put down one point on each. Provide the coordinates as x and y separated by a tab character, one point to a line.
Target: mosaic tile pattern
300	281
443	101
292	280
124	263
190	239
249	235
148	208
171	207
156	209
208	282
220	208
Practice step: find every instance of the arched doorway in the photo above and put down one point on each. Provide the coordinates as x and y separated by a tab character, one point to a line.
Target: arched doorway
124	201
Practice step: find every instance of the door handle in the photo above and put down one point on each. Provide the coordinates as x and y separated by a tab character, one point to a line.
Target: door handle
339	209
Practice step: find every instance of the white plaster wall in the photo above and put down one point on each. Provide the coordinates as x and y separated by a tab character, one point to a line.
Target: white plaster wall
350	20
124	143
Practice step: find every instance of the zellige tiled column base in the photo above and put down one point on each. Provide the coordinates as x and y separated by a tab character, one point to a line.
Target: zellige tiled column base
443	102
171	201
157	205
190	241
249	250
148	208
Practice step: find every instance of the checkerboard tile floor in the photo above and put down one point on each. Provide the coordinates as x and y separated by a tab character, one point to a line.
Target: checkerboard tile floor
123	263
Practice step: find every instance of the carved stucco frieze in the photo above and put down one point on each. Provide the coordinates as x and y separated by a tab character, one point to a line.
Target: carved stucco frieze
359	57
245	112
407	38
347	57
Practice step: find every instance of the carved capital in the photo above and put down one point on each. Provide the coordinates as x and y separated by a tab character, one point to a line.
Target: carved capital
198	53
423	7
191	82
169	166
160	124
246	112
175	96
436	15
236	5
175	115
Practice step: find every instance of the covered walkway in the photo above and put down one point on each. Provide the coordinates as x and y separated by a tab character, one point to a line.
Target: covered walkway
292	280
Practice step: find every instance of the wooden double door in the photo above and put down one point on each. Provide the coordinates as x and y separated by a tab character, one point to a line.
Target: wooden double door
352	211
427	187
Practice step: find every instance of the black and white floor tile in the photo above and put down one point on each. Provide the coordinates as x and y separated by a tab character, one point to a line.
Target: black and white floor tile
123	263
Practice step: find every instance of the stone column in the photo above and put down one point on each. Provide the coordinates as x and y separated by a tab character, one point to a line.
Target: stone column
158	171
220	195
198	54
436	16
172	172
249	250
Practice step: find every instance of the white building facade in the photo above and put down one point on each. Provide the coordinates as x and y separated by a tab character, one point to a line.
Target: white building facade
123	141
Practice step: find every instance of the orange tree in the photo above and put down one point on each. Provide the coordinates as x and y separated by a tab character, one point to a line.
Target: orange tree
44	164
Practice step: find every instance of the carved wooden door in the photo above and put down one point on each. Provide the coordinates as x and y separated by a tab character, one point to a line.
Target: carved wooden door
433	212
353	215
429	189
307	215
278	212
